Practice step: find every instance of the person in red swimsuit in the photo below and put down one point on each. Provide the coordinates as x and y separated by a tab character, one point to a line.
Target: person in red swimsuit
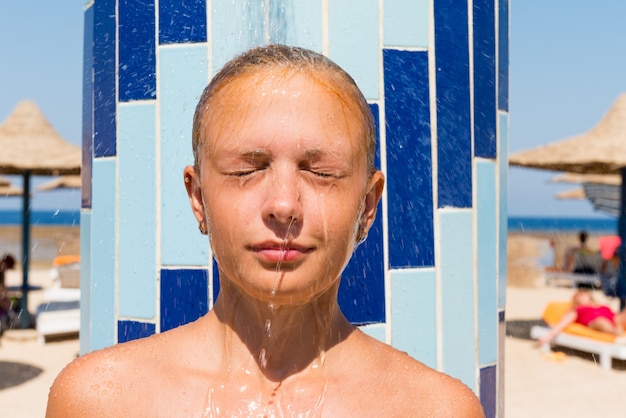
586	311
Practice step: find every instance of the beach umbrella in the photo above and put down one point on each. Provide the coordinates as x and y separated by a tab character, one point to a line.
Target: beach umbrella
63	182
603	191
7	189
602	150
571	194
10	191
30	146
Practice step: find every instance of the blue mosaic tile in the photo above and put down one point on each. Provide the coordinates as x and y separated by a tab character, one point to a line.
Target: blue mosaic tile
484	79
85	282
503	55
353	43
406	23
457	294
409	162
137	210
134	330
216	279
182	21
136	49
104	99
308	24
454	141
488	386
503	174
501	361
414	313
486	260
103	255
184	296
362	288
88	93
377	331
183	74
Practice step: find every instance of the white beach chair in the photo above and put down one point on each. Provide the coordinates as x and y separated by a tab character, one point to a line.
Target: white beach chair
579	337
59	312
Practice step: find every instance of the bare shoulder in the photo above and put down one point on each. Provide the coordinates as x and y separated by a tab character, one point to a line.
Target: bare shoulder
94	384
415	389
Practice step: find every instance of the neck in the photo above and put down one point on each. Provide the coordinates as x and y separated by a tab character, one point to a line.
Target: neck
282	340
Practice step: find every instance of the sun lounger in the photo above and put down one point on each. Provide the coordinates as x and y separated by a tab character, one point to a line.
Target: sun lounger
59	312
555	277
579	337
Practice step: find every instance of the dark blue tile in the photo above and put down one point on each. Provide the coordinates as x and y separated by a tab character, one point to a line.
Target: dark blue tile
454	140
362	288
409	160
137	59
184	296
182	21
133	330
503	55
87	140
484	79
104	99
488	392
216	280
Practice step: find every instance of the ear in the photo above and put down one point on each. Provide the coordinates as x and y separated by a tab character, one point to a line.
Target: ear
194	191
372	197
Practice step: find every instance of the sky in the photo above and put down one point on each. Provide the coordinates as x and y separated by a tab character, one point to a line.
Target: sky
567	67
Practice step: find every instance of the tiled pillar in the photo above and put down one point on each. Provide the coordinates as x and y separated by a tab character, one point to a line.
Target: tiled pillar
429	280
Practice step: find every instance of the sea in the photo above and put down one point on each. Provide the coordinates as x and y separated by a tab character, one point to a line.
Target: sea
565	225
41	217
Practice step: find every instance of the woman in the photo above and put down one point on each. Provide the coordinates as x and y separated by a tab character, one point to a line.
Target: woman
284	185
586	311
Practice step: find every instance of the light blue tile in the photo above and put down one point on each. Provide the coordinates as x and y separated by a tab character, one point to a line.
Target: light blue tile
183	76
103	245
229	33
457	295
486	206
406	23
377	331
85	280
137	210
413	314
307	18
503	171
353	37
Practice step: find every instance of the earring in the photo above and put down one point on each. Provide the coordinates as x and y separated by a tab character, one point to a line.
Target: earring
361	237
187	179
202	228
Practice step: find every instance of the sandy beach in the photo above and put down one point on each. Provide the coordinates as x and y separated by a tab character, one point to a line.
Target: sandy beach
537	384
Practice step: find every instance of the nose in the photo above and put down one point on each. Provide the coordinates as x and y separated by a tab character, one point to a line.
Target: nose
283	204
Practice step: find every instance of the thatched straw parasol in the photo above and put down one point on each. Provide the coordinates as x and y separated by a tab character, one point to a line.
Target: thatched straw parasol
7	190
31	146
571	194
602	150
612	179
63	182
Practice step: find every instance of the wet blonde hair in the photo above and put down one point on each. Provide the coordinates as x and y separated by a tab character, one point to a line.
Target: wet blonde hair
291	58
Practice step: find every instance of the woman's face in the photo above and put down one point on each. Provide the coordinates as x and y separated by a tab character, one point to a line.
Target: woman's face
282	185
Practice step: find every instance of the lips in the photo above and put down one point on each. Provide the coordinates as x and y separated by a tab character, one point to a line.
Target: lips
275	252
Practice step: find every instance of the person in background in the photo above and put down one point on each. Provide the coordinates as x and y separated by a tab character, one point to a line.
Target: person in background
586	311
284	186
7	303
581	259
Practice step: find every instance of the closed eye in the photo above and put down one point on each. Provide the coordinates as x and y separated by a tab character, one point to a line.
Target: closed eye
320	173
